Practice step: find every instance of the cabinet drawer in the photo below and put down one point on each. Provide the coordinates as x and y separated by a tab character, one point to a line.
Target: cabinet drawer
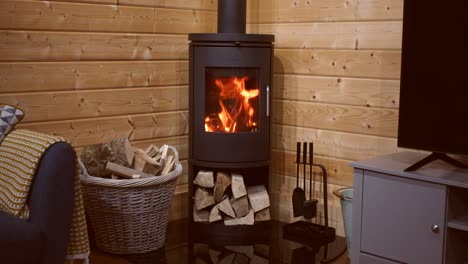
368	259
398	216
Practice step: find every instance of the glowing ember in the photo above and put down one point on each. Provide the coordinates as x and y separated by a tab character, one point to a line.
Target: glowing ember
237	113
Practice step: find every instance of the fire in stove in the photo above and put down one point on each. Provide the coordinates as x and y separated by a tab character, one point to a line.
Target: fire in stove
237	106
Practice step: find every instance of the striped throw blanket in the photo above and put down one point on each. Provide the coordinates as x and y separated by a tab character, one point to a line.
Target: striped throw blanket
20	153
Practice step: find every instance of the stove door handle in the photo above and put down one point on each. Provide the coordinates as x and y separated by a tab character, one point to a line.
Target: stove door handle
268	100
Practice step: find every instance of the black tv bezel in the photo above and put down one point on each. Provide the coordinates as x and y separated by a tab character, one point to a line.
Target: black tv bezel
451	148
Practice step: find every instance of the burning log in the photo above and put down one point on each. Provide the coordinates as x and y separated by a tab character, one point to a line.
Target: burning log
246	220
95	157
238	186
236	114
200	215
223	180
240	206
258	197
203	199
205	179
225	207
263	215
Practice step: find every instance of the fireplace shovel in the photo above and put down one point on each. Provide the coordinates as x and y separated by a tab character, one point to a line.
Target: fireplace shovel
298	197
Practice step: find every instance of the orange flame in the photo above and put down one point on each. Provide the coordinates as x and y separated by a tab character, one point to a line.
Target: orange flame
236	110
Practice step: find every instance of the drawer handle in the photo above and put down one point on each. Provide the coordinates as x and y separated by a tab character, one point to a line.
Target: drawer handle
435	228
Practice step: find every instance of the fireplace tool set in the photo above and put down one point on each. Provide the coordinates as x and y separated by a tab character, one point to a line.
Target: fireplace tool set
305	232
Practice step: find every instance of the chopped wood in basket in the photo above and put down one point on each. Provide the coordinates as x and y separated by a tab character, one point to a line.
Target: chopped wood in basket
117	159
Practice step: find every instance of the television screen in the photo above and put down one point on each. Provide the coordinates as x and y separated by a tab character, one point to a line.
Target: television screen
434	77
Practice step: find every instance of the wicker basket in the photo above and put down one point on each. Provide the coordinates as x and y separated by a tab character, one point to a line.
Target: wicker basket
129	216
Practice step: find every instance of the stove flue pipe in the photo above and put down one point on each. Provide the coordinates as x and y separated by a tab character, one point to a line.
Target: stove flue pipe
232	16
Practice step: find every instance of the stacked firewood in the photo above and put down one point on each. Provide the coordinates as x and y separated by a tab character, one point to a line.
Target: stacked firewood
224	197
118	159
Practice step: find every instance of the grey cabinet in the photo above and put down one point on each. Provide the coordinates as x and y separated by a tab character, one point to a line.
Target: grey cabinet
398	217
401	217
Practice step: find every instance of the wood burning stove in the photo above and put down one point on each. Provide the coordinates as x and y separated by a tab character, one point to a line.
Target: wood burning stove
229	100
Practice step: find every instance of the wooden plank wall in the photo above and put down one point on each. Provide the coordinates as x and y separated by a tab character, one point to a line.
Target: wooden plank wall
336	83
95	70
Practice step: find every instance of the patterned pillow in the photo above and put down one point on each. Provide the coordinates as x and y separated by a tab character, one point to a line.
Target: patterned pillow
9	116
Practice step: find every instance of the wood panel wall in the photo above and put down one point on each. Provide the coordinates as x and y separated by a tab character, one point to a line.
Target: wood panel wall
96	70
336	83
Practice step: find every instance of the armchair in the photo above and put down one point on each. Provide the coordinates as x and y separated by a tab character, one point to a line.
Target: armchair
44	237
